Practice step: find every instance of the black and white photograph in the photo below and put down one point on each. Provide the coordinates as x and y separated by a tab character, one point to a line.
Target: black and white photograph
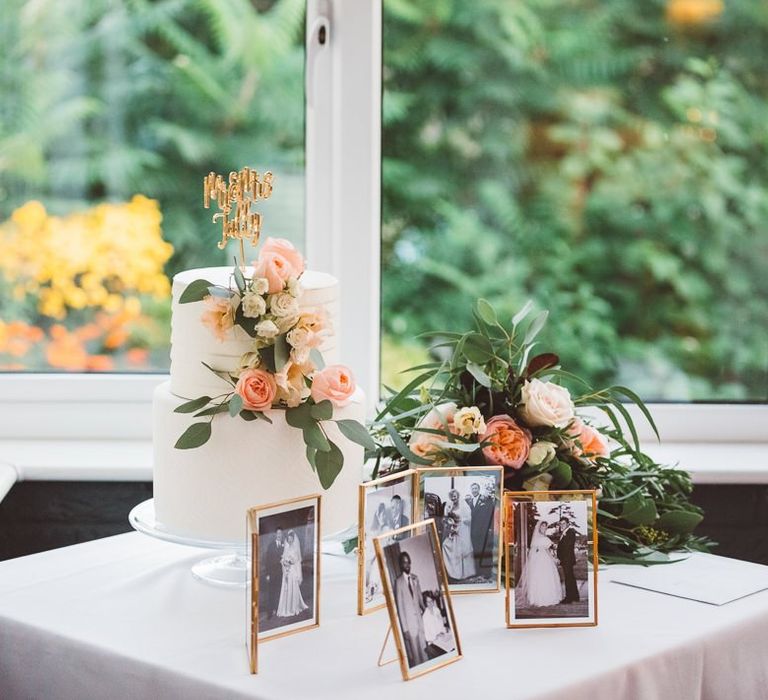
418	599
385	504
551	575
288	562
465	504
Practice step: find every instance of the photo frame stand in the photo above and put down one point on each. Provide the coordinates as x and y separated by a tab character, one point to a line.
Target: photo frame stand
380	661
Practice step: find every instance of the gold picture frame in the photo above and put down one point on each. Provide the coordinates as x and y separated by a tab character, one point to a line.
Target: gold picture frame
369	601
494	524
303	516
517	505
428	651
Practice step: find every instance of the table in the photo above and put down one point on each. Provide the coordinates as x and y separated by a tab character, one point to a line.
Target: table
123	617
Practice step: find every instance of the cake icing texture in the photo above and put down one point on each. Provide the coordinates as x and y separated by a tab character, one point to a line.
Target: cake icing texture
257	409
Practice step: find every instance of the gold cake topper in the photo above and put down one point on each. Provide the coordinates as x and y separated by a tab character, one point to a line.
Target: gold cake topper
242	189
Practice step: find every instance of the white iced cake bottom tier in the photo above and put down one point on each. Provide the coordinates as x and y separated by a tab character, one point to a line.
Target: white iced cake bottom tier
204	492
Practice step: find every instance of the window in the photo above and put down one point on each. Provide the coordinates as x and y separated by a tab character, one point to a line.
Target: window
112	112
607	160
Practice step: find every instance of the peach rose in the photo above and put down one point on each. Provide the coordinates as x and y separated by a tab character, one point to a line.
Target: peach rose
593	444
219	315
439	418
335	383
257	388
509	443
287	250
274	268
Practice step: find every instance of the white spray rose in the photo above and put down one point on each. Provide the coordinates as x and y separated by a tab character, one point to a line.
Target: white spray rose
283	305
540	482
250	360
267	329
260	285
541	452
294	287
253	305
469	421
546	404
298	338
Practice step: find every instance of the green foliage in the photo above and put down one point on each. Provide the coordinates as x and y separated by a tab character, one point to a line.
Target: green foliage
644	510
596	157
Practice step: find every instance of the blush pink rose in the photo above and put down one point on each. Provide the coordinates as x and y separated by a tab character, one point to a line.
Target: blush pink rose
219	315
509	442
275	269
439	418
593	443
287	250
334	383
257	388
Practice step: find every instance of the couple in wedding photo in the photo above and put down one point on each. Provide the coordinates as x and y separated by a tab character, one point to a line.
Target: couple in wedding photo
465	520
551	565
283	578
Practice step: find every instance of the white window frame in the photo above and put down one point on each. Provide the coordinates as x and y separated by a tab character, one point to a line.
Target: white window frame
51	422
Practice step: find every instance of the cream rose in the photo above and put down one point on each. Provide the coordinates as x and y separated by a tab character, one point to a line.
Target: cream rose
250	360
283	305
468	421
286	249
542	452
267	329
257	388
294	287
335	383
253	305
509	443
298	338
546	404
540	482
260	285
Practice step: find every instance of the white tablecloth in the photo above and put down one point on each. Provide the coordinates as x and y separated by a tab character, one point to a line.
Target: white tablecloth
123	617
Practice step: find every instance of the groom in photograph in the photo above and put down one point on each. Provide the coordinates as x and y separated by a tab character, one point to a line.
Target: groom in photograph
274	572
567	556
410	610
481	508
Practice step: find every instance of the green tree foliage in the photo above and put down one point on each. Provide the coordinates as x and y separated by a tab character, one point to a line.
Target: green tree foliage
607	159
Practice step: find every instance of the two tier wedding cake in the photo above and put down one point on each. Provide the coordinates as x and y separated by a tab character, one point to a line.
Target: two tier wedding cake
257	409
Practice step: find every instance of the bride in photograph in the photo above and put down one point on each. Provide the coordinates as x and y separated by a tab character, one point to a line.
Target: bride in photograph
540	580
291	603
379	524
458	554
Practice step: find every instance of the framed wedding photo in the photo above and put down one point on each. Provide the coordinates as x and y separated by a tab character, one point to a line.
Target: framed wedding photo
465	503
551	562
418	599
284	596
386	504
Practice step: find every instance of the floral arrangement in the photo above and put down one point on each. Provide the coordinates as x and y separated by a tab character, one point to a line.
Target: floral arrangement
283	367
488	399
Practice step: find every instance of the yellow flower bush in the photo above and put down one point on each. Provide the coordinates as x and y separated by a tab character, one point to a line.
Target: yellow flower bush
87	275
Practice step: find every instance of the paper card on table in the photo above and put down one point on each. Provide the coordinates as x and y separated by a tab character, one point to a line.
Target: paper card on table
702	577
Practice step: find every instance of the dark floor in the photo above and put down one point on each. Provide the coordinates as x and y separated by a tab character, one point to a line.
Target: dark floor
40	515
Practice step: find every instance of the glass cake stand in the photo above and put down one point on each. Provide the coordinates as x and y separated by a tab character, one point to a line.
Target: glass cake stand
229	569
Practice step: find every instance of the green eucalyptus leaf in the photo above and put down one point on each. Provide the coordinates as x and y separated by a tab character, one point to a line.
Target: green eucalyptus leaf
520	315
679	521
535	328
317	358
239	279
329	465
486	312
322	411
460	446
213	410
315	437
268	358
219	373
250	415
235	405
312	457
299	416
354	431
193	405
639	510
562	474
282	351
479	374
477	348
195	435
195	291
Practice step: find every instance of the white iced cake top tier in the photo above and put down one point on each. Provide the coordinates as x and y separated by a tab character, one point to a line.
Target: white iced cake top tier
193	343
